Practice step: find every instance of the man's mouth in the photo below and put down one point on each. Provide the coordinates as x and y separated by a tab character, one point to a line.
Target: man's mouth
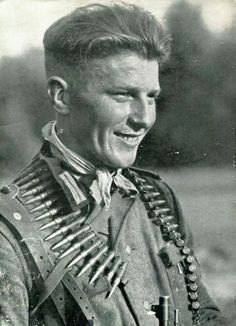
130	138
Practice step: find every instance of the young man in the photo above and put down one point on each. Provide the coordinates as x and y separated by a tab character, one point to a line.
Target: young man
85	239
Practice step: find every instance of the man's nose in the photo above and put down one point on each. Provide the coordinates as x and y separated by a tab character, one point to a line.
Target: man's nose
143	113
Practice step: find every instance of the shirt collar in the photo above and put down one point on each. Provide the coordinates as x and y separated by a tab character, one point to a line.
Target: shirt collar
80	165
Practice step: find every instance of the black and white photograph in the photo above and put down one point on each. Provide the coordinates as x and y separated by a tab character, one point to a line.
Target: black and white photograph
117	163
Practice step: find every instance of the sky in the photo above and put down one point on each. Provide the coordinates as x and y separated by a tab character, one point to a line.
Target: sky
23	22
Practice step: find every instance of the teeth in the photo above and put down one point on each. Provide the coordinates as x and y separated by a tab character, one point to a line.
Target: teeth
130	139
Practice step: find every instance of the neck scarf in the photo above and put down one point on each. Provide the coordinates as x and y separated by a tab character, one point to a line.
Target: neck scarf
81	166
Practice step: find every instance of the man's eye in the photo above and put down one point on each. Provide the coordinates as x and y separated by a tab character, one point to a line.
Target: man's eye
153	96
152	99
121	96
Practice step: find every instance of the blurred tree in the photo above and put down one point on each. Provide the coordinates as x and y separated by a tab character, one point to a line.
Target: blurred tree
24	108
193	114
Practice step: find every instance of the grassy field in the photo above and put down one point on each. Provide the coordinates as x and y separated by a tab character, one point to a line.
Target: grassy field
208	199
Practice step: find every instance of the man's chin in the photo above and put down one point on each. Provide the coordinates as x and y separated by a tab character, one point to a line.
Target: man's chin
121	162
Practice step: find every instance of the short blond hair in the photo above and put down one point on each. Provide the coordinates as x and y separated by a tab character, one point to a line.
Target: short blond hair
97	31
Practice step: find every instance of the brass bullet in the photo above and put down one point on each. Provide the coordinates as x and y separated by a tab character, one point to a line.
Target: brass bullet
168	228
195	305
193	296
52	212
192	268
76	245
61	219
35	190
139	180
34	181
173	235
155	203
179	243
28	177
40	197
118	278
30	184
84	253
151	195
164	219
29	169
186	250
133	174
102	267
46	204
190	259
93	260
114	268
193	287
191	277
62	230
145	188
71	236
159	211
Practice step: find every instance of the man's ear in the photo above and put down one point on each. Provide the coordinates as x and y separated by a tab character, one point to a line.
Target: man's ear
58	94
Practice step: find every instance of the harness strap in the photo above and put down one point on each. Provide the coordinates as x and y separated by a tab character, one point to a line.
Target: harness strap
58	274
50	284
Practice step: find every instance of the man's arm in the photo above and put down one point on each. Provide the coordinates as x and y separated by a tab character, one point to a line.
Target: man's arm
14	301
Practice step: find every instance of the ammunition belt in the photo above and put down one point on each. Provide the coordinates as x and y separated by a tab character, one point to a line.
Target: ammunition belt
158	211
20	222
41	194
43	199
30	183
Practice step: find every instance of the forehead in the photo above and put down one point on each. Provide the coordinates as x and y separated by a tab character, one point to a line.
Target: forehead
123	70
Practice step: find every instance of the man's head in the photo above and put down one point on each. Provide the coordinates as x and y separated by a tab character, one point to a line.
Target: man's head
102	63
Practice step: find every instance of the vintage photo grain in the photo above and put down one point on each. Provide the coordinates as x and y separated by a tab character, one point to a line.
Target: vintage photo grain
117	162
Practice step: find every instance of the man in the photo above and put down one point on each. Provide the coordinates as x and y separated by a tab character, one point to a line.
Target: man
85	239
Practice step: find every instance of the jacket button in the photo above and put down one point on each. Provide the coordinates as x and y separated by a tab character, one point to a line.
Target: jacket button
17	216
128	250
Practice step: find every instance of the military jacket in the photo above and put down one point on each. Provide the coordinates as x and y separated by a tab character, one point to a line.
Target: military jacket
66	260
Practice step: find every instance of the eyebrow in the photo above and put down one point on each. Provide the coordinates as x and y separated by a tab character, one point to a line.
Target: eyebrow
136	89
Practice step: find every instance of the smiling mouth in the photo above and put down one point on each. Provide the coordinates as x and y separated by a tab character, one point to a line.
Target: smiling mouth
130	139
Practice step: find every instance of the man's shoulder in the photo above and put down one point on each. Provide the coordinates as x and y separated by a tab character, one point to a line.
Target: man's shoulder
146	173
11	204
151	177
156	181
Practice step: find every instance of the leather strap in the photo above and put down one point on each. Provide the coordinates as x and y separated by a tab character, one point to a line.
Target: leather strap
74	287
50	283
58	274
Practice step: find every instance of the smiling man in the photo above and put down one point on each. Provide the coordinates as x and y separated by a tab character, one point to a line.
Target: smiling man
85	239
110	108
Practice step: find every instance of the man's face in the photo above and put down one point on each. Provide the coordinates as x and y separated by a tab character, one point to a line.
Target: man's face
112	107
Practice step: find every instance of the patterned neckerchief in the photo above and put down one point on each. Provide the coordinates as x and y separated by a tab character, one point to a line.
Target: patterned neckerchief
82	167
